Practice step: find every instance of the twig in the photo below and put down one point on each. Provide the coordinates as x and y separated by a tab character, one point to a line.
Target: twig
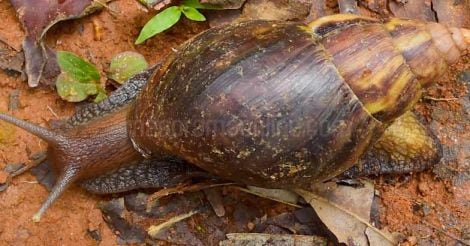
440	99
52	112
180	190
155	229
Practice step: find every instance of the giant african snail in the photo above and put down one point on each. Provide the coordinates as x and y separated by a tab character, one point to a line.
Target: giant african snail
264	103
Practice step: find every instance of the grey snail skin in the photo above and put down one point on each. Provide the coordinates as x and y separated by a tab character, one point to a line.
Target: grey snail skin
264	103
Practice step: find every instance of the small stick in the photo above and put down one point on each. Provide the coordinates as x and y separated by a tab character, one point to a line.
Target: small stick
52	112
440	99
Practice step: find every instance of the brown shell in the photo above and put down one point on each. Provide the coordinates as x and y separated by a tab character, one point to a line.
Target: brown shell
285	105
258	102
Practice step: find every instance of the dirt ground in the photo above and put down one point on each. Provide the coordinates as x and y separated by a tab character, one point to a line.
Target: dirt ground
432	208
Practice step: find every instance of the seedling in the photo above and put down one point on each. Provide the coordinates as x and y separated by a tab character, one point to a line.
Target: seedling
170	16
78	80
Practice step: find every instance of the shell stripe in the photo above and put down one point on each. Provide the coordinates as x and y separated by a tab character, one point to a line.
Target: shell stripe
416	44
374	68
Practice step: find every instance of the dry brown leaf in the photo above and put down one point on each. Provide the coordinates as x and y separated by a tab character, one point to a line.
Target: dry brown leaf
276	10
278	195
416	9
37	17
346	212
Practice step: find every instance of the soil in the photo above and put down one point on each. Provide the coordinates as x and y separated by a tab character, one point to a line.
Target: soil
432	208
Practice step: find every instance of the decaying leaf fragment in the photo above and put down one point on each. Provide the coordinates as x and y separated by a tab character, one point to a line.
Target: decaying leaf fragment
37	17
276	10
416	9
346	212
240	239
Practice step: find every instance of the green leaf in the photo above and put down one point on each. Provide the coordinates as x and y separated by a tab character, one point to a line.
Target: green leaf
197	5
193	14
159	23
73	90
77	68
126	64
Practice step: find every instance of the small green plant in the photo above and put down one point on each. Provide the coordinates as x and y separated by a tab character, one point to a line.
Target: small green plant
170	16
78	79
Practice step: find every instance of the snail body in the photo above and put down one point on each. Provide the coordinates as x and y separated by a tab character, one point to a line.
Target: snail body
265	103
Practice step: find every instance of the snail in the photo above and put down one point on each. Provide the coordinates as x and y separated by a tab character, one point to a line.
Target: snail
264	103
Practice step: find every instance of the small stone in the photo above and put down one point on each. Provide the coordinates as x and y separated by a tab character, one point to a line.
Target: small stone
426	209
423	188
412	240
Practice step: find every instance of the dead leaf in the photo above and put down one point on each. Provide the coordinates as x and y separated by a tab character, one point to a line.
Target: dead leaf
416	9
225	4
376	6
114	211
155	4
223	17
37	17
215	199
453	13
240	239
278	195
276	10
346	213
10	59
317	10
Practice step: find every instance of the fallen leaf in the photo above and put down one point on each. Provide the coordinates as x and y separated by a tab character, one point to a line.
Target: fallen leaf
416	9
276	10
317	10
346	213
10	59
215	199
114	216
278	195
225	4
37	17
240	239
155	4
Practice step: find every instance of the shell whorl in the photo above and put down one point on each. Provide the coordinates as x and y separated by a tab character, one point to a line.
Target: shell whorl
387	64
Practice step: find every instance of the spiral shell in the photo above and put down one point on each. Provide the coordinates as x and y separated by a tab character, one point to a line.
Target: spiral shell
283	104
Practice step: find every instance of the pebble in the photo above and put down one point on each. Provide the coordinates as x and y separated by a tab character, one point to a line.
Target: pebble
412	240
423	188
